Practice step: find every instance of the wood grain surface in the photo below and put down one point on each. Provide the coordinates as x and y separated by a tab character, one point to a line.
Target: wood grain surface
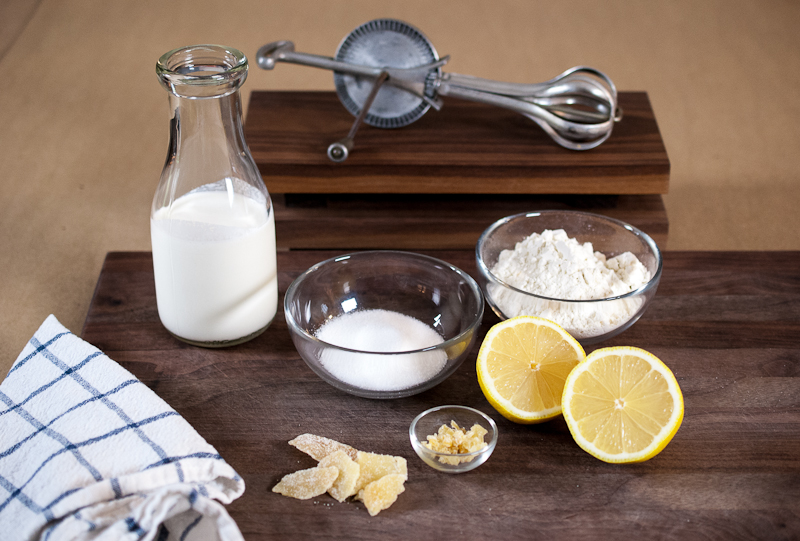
726	323
464	148
436	221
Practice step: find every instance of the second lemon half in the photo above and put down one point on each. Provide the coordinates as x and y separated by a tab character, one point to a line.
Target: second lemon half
522	365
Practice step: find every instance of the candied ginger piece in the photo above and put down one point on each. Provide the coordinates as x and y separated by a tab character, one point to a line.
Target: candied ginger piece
379	495
473	440
345	484
447	439
454	441
374	466
305	484
318	447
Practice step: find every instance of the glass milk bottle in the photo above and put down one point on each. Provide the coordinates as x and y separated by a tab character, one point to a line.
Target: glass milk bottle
212	223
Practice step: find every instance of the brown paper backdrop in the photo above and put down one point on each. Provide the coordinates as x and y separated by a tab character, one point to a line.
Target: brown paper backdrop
83	121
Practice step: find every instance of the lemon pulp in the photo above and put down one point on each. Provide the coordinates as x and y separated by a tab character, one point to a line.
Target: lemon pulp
622	404
522	366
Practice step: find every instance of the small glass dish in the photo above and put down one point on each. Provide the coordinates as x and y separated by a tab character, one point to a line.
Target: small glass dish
589	321
427	424
433	292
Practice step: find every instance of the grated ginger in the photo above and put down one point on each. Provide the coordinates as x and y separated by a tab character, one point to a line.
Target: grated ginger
453	440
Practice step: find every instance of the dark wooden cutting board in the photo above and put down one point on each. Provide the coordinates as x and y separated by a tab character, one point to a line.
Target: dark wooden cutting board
727	323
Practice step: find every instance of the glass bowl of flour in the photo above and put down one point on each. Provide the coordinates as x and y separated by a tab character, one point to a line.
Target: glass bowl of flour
591	274
383	324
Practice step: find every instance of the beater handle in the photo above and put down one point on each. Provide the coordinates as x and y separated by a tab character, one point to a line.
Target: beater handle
283	51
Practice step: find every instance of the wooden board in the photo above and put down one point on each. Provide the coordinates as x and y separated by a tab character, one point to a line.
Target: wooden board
464	148
727	323
434	221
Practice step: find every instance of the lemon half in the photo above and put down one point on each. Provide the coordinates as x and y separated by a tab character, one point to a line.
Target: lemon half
522	365
622	404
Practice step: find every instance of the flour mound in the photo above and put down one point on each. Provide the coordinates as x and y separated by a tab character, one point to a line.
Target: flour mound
552	264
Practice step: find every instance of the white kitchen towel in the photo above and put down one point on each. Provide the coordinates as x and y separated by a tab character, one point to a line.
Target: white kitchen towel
87	451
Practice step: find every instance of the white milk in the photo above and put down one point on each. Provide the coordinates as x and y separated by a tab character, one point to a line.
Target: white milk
214	264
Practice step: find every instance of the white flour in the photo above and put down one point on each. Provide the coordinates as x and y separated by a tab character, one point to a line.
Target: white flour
553	265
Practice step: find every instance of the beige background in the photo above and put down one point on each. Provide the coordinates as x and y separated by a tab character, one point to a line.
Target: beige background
83	121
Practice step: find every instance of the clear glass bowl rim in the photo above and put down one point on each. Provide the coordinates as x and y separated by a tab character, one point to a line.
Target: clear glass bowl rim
474	287
654	280
417	443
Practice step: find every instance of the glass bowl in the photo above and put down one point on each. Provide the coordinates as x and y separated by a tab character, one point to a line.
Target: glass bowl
428	422
589	321
446	300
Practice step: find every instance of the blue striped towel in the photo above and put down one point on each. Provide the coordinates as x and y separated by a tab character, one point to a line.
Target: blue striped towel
87	451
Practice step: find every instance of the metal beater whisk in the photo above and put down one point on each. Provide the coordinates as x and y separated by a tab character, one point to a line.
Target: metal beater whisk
388	74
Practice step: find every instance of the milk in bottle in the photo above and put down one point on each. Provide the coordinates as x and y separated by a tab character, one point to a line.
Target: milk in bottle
214	263
212	225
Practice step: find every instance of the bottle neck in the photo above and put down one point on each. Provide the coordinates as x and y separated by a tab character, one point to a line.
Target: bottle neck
205	134
207	149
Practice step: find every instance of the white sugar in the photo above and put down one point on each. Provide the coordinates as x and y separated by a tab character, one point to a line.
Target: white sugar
381	331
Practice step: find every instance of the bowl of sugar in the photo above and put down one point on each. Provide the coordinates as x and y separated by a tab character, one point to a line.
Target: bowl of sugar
383	324
591	274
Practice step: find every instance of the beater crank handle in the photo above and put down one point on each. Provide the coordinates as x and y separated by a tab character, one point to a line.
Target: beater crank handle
340	150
